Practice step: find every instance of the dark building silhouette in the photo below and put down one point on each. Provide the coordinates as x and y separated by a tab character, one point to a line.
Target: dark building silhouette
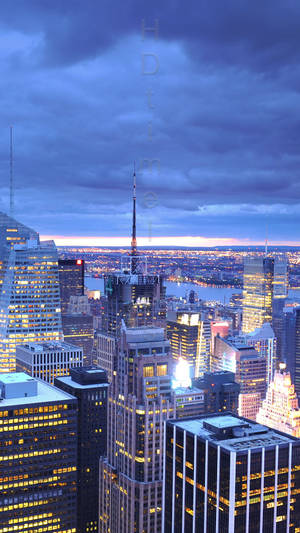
228	474
71	280
221	392
89	386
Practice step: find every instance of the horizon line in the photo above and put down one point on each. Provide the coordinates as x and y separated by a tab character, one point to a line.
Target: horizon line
187	241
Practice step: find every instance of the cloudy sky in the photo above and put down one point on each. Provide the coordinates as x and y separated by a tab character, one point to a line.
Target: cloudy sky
212	99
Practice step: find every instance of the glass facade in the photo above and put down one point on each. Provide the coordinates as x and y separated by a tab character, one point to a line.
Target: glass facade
30	300
38	472
226	475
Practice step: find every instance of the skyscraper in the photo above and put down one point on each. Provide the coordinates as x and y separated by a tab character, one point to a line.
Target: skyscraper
297	353
265	281
48	360
190	338
140	400
280	410
227	474
38	456
265	343
30	299
89	386
250	370
132	294
71	280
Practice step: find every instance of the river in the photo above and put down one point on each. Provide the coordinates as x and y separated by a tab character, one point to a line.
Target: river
221	294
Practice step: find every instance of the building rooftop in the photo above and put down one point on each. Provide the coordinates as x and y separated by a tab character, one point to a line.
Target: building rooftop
38	347
232	432
69	381
40	393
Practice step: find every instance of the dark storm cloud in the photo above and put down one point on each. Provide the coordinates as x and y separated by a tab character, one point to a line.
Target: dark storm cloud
226	121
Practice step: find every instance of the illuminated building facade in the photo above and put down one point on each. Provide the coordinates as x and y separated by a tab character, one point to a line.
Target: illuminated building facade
265	280
265	343
30	299
90	387
250	371
140	401
297	353
190	338
218	467
71	280
48	360
78	329
106	347
227	474
38	457
280	410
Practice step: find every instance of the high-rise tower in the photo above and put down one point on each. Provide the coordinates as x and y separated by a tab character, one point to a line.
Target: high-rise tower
132	294
265	286
29	299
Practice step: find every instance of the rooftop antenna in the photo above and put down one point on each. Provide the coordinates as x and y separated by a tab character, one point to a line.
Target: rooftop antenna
266	243
11	199
133	239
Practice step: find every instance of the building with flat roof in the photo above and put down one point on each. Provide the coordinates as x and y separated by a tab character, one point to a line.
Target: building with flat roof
226	473
38	456
90	387
220	391
48	360
250	369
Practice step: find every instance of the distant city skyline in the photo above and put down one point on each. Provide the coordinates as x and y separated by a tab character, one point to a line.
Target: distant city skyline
176	241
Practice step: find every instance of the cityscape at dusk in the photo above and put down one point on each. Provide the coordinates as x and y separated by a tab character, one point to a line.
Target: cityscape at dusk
149	267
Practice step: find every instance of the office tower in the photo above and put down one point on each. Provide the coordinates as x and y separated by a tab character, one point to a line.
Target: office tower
265	343
132	294
48	360
227	474
90	387
250	370
30	299
71	280
38	456
280	410
106	347
190	338
265	281
78	329
140	399
297	353
220	391
289	340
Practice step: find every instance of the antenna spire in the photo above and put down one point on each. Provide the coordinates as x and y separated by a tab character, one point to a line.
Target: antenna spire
133	239
11	199
266	243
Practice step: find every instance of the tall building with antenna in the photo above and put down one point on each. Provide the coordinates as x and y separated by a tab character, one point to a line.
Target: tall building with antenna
133	295
29	290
